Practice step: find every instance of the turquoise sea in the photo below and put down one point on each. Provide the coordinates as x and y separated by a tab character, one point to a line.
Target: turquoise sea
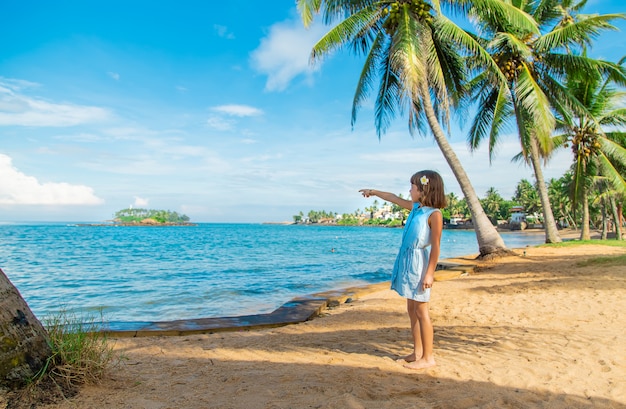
208	270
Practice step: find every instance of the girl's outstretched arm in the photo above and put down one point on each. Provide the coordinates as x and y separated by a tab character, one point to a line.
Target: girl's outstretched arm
389	197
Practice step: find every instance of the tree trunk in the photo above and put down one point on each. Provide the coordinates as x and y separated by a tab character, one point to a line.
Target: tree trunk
549	224
605	222
616	218
489	240
24	345
584	228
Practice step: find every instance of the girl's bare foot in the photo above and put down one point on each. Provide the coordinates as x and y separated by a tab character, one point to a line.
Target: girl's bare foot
421	364
408	358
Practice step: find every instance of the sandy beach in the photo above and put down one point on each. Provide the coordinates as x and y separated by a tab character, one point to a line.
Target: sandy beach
535	330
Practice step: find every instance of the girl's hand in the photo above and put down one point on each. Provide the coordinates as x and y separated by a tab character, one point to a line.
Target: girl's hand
428	282
366	192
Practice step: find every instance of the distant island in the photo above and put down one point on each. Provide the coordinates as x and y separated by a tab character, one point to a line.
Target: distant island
150	217
146	217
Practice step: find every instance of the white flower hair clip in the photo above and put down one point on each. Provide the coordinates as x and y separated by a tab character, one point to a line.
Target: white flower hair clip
424	180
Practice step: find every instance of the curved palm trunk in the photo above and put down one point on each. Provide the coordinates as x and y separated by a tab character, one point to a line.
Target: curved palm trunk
549	224
24	340
489	241
584	229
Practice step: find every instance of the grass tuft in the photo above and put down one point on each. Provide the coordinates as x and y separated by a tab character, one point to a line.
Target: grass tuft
81	353
572	243
607	261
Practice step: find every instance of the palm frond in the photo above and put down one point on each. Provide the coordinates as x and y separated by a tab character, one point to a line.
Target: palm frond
562	97
467	44
580	178
503	14
408	53
347	31
577	34
483	119
525	130
307	9
369	74
616	118
389	96
544	12
614	150
615	179
502	112
537	106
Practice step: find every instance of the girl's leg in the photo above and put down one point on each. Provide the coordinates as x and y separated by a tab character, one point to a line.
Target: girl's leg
415	333
425	334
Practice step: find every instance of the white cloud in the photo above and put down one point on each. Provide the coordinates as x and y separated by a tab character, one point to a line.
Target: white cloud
223	32
114	75
21	110
219	123
16	188
284	53
238	110
140	202
8	85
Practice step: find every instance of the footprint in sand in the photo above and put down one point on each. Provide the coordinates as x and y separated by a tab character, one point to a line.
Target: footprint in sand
605	367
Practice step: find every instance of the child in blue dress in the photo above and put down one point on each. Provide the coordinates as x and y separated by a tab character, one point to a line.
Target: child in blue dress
414	269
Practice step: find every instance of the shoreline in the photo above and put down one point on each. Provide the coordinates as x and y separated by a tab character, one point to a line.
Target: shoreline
542	329
297	310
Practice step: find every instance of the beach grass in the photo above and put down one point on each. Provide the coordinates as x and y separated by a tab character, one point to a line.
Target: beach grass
80	352
572	243
606	261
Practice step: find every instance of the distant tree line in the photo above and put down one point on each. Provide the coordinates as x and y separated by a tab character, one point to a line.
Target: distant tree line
131	215
566	211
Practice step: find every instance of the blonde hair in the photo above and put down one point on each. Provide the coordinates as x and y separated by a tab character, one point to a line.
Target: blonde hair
430	184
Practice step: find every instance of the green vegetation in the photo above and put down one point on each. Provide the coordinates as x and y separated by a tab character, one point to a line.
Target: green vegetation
80	352
496	207
131	215
525	66
567	212
605	261
571	243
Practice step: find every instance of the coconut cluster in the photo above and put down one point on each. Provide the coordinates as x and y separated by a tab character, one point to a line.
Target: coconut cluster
418	9
585	143
508	65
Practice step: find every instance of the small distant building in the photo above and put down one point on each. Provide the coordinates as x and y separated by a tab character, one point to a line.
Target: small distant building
517	220
457	219
518	215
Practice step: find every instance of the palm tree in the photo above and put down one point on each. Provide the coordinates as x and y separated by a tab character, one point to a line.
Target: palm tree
493	203
25	347
527	195
533	65
596	136
453	204
559	192
414	57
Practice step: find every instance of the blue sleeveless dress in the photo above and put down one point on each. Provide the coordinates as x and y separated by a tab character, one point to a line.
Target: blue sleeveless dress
412	260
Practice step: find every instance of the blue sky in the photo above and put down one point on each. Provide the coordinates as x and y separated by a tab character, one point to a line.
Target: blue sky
210	109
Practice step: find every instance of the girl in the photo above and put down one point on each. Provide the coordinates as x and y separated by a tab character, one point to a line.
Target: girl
414	269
